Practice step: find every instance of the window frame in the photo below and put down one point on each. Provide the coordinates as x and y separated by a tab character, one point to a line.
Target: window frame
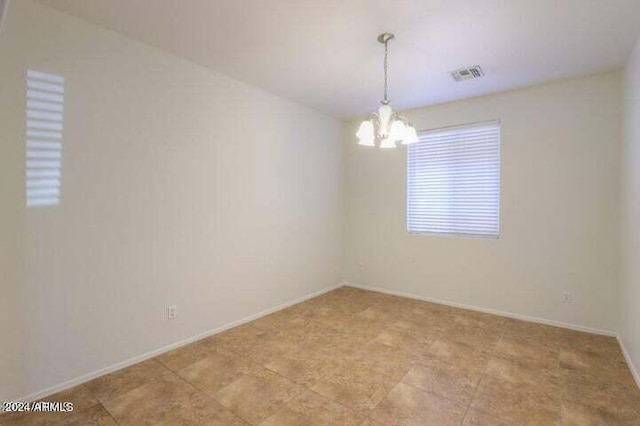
451	234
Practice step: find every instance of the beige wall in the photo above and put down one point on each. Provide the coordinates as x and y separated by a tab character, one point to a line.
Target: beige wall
560	209
630	330
180	186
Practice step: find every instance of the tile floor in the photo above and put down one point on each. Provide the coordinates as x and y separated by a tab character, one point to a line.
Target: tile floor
354	357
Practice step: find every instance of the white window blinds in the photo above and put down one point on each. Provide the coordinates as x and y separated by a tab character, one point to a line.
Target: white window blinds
45	108
453	181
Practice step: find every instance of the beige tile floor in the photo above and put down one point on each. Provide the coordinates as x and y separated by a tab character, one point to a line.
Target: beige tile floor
354	357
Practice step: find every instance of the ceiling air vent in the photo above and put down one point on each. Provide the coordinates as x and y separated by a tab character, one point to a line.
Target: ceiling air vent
467	73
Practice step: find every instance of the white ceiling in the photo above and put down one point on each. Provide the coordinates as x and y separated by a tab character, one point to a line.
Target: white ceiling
324	54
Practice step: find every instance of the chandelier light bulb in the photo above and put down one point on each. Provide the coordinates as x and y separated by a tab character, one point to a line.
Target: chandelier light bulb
387	143
410	136
398	131
366	134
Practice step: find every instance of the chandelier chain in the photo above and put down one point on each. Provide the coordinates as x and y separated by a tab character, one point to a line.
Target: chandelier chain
386	54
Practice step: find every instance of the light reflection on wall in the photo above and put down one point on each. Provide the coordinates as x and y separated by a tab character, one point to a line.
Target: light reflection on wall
45	109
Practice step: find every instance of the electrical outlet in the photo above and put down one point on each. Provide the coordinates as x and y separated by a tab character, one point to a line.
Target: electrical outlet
172	312
567	297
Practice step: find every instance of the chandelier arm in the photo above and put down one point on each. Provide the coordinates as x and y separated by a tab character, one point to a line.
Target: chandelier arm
375	120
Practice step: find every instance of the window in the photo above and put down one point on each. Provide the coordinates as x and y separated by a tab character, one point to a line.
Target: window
453	181
45	108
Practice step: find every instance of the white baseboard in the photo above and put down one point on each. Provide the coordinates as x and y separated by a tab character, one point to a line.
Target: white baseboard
134	360
485	310
627	357
151	354
630	364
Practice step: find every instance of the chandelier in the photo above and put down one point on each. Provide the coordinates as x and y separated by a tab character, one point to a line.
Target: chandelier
385	128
